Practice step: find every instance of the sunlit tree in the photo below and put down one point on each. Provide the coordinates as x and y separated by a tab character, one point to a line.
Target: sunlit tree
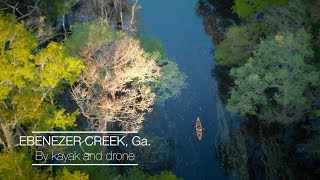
29	80
16	165
115	87
65	174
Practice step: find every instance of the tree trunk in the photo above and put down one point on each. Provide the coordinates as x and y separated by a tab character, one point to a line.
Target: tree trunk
64	25
7	137
115	4
105	13
1	142
133	10
121	16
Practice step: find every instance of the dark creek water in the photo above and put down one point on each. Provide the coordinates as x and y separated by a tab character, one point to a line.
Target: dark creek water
179	28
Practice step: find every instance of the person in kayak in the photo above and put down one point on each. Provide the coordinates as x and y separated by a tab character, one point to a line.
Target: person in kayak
199	128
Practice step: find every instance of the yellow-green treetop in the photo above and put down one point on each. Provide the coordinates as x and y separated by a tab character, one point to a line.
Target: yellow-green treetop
29	79
15	55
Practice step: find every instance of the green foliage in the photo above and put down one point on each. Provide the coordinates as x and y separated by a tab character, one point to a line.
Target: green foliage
286	18
104	172
313	10
317	112
238	44
94	172
116	85
132	174
28	79
172	80
15	165
239	41
243	9
87	36
57	119
248	8
55	8
275	80
136	173
15	55
28	82
54	66
65	174
152	45
170	84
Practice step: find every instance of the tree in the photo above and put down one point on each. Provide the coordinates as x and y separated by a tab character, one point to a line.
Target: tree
19	8
15	55
136	173
120	13
16	165
238	44
170	84
313	10
289	17
55	9
172	80
274	82
65	174
29	81
36	17
247	9
115	87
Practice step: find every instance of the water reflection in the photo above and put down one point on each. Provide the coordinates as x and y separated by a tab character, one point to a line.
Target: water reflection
225	82
157	157
247	148
230	144
216	16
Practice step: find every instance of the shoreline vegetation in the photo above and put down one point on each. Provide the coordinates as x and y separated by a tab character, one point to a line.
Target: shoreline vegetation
269	79
91	49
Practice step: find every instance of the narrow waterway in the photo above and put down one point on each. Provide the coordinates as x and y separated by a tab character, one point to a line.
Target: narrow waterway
176	24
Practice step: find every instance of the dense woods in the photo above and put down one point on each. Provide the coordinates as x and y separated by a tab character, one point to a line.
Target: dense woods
269	55
274	64
88	48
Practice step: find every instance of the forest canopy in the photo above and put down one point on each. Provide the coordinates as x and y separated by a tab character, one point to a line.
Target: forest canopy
273	60
270	60
257	86
97	57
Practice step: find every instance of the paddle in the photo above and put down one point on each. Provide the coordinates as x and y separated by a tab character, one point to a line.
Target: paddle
202	128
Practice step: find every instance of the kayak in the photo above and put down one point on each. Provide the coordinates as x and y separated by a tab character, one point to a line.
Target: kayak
199	129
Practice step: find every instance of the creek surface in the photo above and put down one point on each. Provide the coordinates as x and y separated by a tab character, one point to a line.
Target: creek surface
181	31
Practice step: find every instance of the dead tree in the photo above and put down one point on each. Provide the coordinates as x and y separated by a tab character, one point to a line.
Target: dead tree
115	87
